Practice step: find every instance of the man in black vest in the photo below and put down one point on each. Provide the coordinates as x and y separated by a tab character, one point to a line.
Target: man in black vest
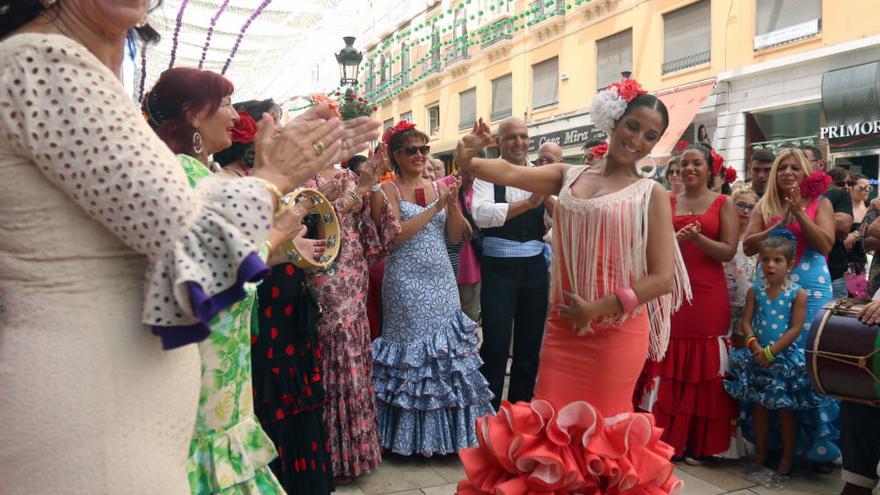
513	270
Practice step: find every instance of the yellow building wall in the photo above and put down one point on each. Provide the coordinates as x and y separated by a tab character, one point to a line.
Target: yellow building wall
573	39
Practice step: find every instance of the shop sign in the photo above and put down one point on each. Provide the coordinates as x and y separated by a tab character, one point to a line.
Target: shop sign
576	136
865	128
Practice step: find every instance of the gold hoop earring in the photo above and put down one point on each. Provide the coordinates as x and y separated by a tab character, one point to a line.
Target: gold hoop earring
197	144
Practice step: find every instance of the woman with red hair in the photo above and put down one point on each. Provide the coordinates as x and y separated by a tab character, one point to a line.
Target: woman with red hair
191	111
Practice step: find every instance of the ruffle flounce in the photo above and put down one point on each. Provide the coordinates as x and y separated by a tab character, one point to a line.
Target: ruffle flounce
303	465
783	385
206	269
431	385
292	385
235	460
530	448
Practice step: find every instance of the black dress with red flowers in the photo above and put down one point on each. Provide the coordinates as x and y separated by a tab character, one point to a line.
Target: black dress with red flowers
288	391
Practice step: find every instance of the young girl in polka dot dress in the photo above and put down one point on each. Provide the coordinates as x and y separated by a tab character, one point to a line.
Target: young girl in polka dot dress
770	372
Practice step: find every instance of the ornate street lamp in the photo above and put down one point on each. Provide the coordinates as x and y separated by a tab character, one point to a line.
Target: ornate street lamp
349	60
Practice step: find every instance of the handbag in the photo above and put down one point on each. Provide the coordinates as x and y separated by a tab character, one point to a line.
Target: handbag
856	282
476	236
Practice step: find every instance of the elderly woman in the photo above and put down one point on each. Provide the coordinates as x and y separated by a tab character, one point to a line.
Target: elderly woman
91	402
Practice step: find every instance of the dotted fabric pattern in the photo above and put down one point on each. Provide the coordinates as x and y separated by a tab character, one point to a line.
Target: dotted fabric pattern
64	111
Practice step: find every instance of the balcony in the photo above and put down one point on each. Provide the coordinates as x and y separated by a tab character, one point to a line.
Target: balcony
687	62
430	65
544	9
457	55
499	31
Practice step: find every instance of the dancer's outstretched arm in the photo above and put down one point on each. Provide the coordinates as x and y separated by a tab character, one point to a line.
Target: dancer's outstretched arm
541	180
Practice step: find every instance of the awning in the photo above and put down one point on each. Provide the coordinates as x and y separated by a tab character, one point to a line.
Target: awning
682	106
851	100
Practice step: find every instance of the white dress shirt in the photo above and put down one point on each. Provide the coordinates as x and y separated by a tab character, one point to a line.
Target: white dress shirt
485	211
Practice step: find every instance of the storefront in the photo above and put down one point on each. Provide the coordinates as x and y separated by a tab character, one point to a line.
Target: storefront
851	104
571	141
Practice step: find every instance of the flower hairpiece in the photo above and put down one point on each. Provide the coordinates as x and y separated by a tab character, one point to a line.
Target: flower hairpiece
610	103
717	162
729	175
245	128
815	185
599	150
783	233
318	98
681	146
401	126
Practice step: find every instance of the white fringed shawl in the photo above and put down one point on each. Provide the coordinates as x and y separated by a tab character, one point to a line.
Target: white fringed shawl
610	234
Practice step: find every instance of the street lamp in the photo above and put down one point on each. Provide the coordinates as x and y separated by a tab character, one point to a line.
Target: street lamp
349	59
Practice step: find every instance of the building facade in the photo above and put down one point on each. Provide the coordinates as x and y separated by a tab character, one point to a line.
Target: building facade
736	74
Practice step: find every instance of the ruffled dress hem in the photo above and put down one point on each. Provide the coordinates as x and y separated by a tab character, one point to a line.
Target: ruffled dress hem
530	448
433	384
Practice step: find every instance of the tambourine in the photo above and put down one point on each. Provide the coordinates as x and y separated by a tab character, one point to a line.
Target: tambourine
328	229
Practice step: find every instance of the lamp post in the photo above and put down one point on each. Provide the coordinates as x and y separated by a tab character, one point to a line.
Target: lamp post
349	60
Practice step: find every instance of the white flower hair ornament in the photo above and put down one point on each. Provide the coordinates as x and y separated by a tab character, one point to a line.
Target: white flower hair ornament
610	103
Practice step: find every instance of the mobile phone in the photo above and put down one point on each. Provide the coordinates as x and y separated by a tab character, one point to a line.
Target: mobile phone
420	197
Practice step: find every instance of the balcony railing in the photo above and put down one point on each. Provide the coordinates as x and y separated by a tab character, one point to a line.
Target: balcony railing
687	62
430	65
501	30
457	55
543	9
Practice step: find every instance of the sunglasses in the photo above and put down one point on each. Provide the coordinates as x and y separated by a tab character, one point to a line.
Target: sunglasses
674	172
742	205
864	187
412	150
849	183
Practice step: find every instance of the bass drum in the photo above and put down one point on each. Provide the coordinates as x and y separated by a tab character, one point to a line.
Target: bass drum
843	354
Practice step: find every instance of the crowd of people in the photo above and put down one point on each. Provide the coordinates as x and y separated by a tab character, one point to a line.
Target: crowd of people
159	334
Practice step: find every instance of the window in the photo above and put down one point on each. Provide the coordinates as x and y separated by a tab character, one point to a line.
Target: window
404	63
387	124
382	71
545	83
389	67
687	37
781	21
614	55
459	35
406	116
371	69
467	108
502	97
434	120
435	48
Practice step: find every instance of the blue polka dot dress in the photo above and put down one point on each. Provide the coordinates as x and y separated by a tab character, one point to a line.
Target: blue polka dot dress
784	384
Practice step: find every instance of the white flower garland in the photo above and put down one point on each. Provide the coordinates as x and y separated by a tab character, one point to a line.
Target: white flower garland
606	108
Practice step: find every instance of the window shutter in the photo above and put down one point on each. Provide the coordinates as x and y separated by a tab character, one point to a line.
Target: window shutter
502	97
687	37
545	83
773	15
467	108
613	55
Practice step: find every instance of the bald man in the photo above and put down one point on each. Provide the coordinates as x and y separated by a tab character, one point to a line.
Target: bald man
513	271
549	152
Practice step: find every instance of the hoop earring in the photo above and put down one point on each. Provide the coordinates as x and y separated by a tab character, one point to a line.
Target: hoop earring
198	147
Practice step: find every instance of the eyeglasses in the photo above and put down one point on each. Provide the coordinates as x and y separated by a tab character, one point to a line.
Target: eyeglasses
541	160
742	205
412	150
864	187
846	183
674	172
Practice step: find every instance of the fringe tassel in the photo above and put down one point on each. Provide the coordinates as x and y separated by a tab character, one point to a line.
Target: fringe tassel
602	244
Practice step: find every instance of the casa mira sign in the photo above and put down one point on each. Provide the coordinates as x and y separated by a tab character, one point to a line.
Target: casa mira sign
865	128
575	136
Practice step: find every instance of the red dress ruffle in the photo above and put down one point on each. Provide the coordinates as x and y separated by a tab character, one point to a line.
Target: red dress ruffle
530	448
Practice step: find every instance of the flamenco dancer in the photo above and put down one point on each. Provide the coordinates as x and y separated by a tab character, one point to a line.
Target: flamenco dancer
288	386
429	389
617	277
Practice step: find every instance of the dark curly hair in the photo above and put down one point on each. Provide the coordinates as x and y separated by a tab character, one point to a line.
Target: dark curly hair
245	151
707	155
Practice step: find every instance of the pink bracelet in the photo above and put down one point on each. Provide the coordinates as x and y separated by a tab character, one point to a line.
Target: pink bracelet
627	297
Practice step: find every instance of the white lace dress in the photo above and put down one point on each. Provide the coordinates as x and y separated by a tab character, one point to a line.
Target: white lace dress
91	201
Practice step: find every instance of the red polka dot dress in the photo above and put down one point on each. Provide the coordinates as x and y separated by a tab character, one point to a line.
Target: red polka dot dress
288	387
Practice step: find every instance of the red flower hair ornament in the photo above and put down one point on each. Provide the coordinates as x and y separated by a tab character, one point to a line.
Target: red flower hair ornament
815	185
681	146
729	175
599	150
610	104
391	131
245	129
628	89
717	162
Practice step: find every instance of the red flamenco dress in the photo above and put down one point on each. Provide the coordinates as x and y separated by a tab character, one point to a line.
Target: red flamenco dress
580	434
691	405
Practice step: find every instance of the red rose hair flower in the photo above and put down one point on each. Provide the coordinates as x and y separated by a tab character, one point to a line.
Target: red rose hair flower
729	175
717	162
681	146
600	150
815	185
245	129
400	127
628	89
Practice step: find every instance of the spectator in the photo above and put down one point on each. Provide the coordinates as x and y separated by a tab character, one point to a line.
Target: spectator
841	201
759	170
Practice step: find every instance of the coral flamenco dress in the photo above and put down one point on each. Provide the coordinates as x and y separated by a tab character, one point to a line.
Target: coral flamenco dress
580	434
691	405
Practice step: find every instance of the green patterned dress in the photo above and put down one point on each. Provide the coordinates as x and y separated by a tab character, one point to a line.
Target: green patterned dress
229	453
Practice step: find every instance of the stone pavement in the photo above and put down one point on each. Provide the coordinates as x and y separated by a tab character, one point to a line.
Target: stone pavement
438	476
